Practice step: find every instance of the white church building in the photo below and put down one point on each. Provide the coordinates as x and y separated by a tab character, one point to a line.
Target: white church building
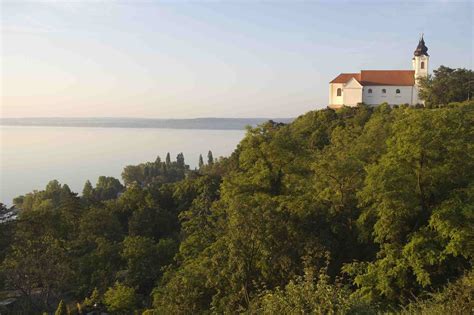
374	87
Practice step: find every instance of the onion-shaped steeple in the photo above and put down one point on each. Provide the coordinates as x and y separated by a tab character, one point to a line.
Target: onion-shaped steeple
421	49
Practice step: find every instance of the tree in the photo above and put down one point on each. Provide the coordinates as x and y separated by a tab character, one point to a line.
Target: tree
107	188
180	160
154	173
186	290
62	309
88	192
141	256
210	158
54	193
201	161
197	218
132	174
447	85
168	159
38	259
412	196
99	222
338	175
120	299
145	259
40	264
97	265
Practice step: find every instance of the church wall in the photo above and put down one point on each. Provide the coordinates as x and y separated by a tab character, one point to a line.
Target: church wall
417	60
406	96
352	96
333	98
416	98
352	93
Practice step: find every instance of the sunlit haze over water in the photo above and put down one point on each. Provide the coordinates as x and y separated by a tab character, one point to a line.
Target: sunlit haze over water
31	156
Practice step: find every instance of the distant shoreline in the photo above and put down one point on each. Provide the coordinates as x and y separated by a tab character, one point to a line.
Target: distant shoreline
106	122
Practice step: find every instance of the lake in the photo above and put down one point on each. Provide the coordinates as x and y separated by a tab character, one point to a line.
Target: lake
32	156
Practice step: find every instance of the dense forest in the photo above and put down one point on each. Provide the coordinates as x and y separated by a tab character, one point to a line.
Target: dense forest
359	210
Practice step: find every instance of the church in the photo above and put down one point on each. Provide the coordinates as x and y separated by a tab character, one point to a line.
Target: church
374	87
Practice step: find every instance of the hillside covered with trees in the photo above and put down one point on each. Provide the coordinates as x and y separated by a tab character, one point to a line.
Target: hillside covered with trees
352	211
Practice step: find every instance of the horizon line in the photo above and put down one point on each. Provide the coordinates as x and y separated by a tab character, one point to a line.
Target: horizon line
142	118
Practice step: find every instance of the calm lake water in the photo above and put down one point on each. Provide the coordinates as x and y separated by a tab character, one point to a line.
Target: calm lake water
32	156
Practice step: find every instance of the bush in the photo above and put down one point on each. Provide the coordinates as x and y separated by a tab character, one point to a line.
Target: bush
120	299
308	295
456	298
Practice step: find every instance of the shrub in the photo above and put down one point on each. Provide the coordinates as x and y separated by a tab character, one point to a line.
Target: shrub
120	299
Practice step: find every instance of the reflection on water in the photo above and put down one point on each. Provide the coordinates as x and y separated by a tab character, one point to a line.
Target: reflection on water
31	156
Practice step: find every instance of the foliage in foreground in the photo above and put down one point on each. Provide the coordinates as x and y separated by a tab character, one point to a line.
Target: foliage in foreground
456	298
310	294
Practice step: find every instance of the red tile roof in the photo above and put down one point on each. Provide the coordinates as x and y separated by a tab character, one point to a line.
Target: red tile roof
344	77
388	77
379	77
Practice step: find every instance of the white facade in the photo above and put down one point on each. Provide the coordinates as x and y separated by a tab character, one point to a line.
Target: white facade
374	87
420	65
375	95
334	98
352	93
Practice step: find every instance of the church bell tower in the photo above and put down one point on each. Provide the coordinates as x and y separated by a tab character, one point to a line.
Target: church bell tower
421	59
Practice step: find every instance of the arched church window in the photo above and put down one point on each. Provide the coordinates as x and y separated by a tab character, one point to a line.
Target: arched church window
397	91
384	91
369	91
422	65
339	92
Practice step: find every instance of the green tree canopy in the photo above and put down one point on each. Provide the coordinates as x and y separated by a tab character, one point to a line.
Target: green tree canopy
120	299
447	85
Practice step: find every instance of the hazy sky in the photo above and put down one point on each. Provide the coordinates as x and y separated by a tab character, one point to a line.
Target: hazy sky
210	59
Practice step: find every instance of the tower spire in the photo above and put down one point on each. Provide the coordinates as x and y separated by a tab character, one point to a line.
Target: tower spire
421	49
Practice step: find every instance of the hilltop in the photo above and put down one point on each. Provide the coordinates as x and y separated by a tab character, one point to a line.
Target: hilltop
362	209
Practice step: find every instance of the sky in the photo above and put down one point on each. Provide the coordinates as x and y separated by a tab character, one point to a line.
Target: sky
183	59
